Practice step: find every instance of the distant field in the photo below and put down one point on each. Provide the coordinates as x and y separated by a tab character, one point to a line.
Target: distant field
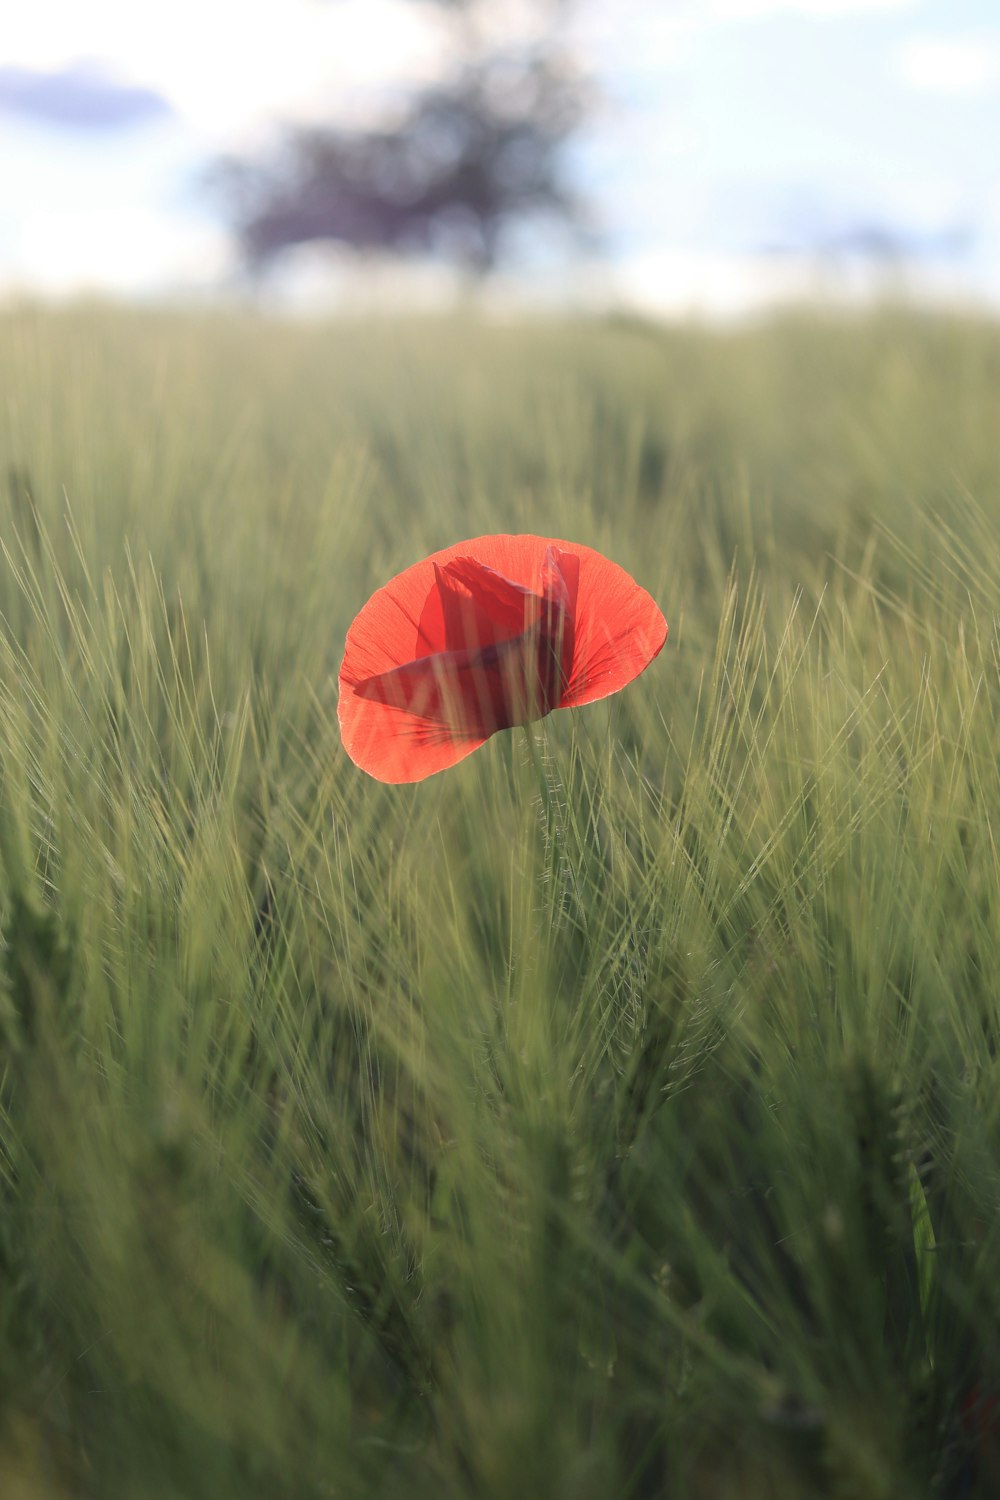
614	1115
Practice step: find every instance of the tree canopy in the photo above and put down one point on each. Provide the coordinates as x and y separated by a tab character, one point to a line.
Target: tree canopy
462	163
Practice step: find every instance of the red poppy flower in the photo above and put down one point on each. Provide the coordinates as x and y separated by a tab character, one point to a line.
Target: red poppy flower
481	636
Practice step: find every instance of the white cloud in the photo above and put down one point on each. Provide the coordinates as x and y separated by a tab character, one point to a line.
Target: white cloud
679	283
745	10
671	25
228	66
125	251
726	288
643	37
950	65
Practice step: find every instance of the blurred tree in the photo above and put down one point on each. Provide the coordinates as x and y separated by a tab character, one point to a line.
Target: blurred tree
463	162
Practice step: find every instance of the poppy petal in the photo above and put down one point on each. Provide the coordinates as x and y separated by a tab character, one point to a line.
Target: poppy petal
468	693
438	658
618	630
396	747
505	601
561	578
472	605
560	589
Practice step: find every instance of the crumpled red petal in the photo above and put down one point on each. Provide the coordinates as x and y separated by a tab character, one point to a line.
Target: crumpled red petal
618	630
440	657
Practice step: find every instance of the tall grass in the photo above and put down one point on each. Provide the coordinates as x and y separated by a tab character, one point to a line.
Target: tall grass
614	1115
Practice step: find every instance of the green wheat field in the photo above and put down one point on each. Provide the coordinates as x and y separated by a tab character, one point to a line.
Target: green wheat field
614	1116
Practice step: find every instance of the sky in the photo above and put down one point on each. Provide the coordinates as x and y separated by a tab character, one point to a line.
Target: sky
742	151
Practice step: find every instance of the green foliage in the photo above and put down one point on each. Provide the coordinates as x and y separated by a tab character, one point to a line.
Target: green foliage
616	1114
